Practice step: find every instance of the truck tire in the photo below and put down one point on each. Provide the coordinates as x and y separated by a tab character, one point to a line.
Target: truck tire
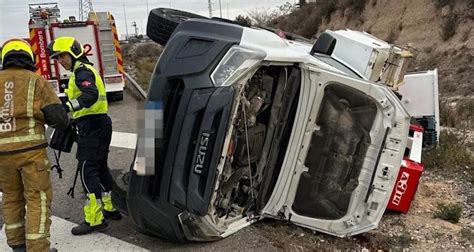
163	21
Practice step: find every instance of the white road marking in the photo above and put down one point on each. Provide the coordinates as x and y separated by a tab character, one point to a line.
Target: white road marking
63	240
123	140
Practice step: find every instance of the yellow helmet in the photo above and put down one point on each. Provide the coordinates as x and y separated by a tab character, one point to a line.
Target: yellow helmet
65	45
16	47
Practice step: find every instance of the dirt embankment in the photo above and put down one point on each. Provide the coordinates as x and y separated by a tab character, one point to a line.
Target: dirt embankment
439	32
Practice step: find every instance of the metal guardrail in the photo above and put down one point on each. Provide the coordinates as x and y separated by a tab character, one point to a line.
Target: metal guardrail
136	86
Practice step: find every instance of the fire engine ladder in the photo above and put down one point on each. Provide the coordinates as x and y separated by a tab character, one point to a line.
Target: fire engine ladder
109	60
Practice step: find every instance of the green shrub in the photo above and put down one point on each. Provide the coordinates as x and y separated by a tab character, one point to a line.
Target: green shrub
451	153
449	212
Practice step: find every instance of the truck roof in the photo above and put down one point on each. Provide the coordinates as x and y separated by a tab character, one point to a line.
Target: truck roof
280	49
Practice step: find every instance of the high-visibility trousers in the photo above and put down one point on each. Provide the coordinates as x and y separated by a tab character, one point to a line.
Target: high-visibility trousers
25	180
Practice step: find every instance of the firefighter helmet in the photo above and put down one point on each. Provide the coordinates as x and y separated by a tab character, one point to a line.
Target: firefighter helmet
16	47
65	45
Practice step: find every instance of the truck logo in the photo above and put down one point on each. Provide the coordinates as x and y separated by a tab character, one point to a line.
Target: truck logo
202	152
401	188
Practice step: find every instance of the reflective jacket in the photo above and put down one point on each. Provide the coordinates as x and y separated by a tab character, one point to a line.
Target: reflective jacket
27	102
79	87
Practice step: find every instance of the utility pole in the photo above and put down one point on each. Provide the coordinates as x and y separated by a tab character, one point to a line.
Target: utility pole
210	8
220	8
126	23
85	6
147	10
134	24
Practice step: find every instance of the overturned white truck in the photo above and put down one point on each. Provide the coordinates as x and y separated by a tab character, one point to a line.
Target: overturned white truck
246	124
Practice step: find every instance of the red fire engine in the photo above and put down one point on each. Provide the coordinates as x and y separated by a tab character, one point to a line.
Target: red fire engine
98	36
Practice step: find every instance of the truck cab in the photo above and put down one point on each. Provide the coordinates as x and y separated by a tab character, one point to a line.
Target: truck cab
241	124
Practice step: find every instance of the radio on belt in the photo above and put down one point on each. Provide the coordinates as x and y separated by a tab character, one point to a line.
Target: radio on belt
409	174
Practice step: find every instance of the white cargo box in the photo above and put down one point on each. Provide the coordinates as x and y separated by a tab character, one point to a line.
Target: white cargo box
370	57
420	95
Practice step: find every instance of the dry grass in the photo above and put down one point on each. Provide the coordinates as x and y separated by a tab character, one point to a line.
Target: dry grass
451	154
306	20
152	50
147	65
457	115
449	212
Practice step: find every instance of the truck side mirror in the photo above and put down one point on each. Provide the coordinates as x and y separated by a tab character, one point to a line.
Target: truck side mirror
324	44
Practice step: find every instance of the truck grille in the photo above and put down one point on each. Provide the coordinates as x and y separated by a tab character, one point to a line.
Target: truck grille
173	93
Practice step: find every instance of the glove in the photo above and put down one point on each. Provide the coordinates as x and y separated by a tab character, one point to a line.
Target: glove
72	105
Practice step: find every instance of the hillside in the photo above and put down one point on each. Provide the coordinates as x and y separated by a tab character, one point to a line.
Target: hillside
439	32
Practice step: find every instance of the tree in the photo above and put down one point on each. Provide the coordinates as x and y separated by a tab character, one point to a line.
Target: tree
244	20
263	16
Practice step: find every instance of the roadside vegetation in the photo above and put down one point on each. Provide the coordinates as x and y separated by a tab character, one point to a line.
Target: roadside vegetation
449	212
140	60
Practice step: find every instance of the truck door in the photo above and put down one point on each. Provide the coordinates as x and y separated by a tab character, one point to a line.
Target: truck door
353	136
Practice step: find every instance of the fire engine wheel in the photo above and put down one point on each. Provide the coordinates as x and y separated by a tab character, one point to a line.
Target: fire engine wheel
162	22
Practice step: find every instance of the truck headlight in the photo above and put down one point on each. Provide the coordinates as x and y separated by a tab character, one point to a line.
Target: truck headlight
235	63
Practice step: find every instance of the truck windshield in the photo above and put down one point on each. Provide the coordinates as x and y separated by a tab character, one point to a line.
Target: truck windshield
336	64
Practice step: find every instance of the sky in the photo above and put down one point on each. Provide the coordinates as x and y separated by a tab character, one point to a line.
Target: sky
14	14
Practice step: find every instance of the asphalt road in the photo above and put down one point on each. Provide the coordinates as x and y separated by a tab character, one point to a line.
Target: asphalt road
124	117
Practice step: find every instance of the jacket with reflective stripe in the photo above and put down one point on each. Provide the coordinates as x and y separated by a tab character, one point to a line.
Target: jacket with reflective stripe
73	92
23	95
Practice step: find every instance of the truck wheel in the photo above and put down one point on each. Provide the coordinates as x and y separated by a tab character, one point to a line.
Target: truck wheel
163	21
119	192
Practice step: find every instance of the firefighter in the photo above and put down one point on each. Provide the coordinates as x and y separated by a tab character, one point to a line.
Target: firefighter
27	102
87	101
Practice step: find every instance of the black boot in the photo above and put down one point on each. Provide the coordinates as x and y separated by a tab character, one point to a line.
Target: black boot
115	215
19	248
84	228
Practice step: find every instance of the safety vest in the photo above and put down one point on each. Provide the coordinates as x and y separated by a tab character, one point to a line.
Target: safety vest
73	92
22	96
